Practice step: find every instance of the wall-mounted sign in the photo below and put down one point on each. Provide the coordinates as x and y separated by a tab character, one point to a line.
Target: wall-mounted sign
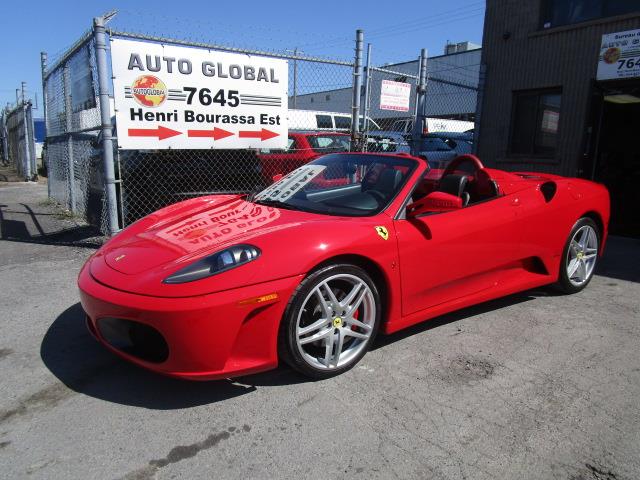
167	96
619	55
395	96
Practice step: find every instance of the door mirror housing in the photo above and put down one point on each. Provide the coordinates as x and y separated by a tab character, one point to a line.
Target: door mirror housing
435	202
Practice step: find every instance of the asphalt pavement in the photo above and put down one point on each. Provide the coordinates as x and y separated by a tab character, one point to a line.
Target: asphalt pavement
533	386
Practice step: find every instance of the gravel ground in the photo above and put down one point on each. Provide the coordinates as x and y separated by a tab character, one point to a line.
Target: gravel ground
533	386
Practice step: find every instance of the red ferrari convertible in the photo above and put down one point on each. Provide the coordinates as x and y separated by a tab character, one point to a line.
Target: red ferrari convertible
308	270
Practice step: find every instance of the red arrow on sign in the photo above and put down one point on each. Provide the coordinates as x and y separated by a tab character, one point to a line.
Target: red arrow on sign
216	133
160	132
263	134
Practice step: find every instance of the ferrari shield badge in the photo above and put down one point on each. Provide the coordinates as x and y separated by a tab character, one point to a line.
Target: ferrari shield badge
382	231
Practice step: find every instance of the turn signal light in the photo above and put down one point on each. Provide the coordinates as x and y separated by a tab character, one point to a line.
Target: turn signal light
262	299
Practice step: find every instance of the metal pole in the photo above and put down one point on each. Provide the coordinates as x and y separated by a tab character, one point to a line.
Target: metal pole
357	87
479	99
3	134
105	116
421	101
295	78
27	148
367	88
32	144
45	160
66	79
22	86
17	97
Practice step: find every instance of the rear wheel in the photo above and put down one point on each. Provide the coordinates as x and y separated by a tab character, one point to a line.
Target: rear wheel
330	322
580	256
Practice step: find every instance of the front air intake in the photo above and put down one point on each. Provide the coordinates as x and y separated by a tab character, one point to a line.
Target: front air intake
133	338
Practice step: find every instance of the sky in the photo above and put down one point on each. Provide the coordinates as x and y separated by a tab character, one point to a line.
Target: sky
397	31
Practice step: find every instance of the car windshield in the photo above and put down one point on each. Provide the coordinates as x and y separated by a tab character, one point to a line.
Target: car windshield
341	184
330	143
434	144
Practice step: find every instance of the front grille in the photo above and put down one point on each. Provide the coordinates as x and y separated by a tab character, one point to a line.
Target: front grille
135	339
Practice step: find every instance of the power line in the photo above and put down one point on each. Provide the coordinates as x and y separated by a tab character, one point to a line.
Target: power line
432	20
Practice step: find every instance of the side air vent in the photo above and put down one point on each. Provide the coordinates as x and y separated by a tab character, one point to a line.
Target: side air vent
548	190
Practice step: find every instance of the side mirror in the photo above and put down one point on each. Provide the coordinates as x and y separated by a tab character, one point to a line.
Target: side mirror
435	202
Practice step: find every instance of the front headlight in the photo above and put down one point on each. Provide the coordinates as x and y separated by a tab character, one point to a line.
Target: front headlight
221	261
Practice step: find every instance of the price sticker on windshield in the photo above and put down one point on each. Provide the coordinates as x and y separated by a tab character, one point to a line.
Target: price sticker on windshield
287	187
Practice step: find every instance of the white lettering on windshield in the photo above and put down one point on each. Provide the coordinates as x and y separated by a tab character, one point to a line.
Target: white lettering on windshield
287	187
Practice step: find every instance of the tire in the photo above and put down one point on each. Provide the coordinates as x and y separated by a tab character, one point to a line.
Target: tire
579	256
330	321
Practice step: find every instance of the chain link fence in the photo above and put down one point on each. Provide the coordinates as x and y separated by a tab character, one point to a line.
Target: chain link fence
17	140
72	155
322	100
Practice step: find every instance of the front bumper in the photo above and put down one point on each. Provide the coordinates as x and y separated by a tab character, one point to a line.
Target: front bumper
207	337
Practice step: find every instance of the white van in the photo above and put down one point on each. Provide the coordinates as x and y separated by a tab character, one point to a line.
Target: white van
433	125
317	120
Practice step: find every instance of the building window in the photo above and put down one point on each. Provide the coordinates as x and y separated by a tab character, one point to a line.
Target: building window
311	99
324	121
566	12
342	123
534	124
327	97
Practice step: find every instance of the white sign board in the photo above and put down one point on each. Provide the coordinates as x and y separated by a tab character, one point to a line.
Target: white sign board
395	96
619	55
168	96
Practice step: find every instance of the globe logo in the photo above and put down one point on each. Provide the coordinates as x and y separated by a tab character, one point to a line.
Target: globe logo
149	91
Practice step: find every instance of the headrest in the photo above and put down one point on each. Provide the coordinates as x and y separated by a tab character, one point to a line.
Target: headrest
484	184
388	180
453	184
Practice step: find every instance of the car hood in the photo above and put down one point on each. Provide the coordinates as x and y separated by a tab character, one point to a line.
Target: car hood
187	234
143	255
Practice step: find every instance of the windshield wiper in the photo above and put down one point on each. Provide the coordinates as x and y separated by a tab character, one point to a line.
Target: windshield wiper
252	194
275	203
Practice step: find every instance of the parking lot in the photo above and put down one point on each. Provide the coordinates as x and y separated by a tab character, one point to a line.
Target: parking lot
536	385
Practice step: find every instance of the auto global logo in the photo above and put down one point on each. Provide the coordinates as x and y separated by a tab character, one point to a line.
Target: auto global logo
149	91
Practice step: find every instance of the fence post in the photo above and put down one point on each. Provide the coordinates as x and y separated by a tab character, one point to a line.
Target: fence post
357	91
3	136
105	116
68	115
421	104
45	160
480	98
367	91
26	167
295	79
31	142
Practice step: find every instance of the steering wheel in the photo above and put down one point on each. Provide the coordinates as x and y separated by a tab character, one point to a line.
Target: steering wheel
460	160
378	196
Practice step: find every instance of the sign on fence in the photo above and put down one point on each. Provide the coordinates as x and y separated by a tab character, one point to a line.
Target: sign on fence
167	96
395	96
619	55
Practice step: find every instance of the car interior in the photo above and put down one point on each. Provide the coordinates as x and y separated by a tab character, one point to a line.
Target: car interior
354	187
465	178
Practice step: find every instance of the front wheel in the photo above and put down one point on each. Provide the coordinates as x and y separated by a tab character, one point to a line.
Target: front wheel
330	321
579	256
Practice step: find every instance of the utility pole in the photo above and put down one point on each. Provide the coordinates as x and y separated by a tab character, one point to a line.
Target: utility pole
23	85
